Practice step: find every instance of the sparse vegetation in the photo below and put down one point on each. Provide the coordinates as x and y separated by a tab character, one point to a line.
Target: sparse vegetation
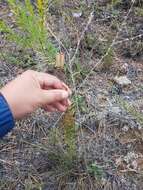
86	44
108	59
30	31
132	110
96	171
139	11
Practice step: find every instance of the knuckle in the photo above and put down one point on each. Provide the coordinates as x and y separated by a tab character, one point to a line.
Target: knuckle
30	72
56	79
60	96
40	99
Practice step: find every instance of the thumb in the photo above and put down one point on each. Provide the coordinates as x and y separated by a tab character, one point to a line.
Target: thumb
52	96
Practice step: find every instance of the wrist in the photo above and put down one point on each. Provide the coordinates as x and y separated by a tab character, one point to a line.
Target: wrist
6	117
8	98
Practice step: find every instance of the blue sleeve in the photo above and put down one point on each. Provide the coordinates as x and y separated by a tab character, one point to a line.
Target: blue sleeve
6	117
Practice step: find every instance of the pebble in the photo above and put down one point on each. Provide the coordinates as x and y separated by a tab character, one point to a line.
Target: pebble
125	128
77	15
116	110
122	80
124	67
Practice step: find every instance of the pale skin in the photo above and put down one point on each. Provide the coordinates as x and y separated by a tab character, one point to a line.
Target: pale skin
32	90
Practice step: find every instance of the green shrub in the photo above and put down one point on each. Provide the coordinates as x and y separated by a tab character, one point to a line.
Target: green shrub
108	59
95	170
116	2
30	28
139	11
131	109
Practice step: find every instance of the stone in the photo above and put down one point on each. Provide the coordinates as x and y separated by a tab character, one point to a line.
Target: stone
77	15
124	68
115	110
122	80
125	128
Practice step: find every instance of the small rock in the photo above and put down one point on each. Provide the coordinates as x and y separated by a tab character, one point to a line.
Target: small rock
123	80
10	14
116	89
134	164
130	157
125	128
102	100
77	15
124	68
115	110
132	72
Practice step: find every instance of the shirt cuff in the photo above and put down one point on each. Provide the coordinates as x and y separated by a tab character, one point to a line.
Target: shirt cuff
6	117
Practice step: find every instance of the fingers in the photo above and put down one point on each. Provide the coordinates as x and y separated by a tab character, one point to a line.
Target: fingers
66	102
47	80
52	96
55	93
49	108
62	105
66	88
58	106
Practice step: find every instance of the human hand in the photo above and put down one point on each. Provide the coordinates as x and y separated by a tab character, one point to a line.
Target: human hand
32	90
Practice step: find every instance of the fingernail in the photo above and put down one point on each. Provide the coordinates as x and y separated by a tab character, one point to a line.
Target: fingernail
70	92
65	94
69	103
67	88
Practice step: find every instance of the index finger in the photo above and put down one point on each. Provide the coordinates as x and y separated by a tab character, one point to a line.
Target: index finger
65	87
46	80
49	81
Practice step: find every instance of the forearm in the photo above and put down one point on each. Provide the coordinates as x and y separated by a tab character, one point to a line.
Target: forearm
6	117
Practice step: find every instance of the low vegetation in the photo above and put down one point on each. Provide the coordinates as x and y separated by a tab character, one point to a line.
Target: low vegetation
28	32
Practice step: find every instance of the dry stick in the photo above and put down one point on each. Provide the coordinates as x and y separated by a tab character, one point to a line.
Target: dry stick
128	39
74	85
110	47
71	72
6	162
122	41
58	40
82	35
